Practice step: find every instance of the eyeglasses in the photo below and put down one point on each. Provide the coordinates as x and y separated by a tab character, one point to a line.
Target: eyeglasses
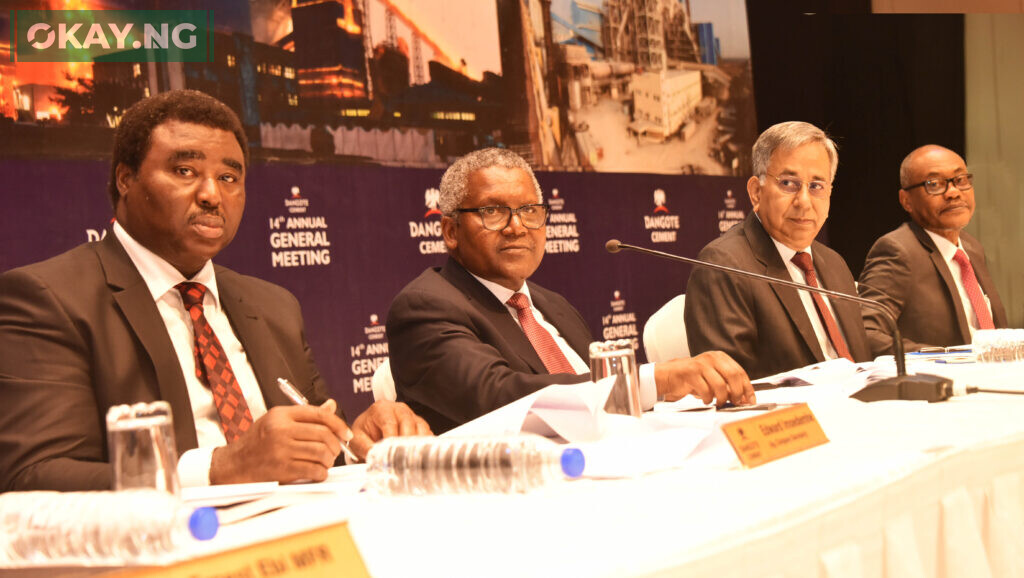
964	182
496	217
793	185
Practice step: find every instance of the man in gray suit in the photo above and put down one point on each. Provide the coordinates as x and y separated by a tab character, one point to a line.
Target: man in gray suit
475	334
145	315
767	328
929	272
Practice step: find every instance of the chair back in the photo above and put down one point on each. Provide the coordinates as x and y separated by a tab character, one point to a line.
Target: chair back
665	332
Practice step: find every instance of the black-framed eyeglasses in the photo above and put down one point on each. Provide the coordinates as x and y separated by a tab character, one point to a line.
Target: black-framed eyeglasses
497	217
964	182
792	185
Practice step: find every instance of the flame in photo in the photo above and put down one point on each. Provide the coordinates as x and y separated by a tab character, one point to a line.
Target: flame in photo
17	74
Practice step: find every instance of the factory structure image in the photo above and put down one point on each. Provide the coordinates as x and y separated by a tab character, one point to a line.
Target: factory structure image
597	85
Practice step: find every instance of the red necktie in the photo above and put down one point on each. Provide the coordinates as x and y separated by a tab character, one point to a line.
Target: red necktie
973	290
545	346
213	368
803	261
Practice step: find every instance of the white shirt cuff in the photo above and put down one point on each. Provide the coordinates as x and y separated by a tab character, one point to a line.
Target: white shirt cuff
194	467
648	389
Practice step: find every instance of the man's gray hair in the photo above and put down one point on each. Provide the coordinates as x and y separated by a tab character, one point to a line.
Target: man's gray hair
455	182
788	136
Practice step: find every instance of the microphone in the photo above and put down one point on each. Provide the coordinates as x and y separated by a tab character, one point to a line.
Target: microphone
923	387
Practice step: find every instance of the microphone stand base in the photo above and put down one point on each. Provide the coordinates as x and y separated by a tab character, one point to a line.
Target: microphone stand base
917	387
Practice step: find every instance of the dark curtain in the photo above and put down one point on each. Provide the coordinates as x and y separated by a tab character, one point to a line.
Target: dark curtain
880	85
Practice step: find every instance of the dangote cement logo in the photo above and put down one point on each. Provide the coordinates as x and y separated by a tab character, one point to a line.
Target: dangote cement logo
659	201
428	230
431	198
112	35
296	204
664	227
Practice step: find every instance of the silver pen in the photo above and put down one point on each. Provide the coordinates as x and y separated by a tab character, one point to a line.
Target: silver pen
295	395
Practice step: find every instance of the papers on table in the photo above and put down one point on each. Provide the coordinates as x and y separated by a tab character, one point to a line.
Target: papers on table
574	412
655	442
237	502
833	379
226	494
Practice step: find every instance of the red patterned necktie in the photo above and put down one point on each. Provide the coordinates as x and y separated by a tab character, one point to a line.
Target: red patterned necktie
973	290
803	261
545	346
212	366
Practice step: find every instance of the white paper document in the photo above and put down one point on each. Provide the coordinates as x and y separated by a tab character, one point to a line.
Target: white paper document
633	447
573	411
832	379
340	480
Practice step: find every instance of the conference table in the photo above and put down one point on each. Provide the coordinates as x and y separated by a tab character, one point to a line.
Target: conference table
902	488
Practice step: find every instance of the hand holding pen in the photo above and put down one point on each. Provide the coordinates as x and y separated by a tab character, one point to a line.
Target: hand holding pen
296	396
289	443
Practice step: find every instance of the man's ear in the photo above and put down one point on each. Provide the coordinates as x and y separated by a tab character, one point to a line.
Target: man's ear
448	226
754	192
905	200
123	177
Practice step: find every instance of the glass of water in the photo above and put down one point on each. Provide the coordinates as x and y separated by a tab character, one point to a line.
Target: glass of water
617	358
142	449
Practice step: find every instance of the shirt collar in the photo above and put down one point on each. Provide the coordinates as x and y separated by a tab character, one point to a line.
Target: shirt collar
159	275
785	252
946	249
503	293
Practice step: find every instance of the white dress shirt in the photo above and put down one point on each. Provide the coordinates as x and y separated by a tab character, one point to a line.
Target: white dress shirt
161	277
798	276
948	250
648	388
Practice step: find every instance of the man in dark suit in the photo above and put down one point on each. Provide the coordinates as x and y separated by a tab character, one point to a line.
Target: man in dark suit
929	271
474	335
144	315
766	328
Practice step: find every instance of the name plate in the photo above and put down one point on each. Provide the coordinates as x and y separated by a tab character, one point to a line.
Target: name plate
327	551
776	434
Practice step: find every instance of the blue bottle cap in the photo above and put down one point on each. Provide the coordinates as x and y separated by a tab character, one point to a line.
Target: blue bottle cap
203	523
572	462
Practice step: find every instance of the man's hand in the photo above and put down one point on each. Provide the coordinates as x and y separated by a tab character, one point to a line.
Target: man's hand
711	376
289	443
385	419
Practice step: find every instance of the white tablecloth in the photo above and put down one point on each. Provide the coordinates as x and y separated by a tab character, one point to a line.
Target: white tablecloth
902	489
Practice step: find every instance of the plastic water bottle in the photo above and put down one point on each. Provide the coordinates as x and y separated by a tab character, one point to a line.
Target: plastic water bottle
98	528
432	465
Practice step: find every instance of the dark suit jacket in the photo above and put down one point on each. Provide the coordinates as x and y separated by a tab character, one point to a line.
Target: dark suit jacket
80	332
764	327
905	271
457	353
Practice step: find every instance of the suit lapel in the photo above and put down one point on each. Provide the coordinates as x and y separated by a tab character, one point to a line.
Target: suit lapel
136	304
496	312
563	320
766	252
256	338
947	277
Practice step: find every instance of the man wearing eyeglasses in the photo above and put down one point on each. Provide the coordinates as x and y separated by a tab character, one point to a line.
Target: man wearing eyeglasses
767	328
475	335
929	272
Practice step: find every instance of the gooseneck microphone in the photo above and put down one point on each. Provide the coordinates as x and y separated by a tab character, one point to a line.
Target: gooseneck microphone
911	387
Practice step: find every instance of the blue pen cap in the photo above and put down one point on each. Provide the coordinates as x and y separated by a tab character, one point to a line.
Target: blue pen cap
203	523
572	462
